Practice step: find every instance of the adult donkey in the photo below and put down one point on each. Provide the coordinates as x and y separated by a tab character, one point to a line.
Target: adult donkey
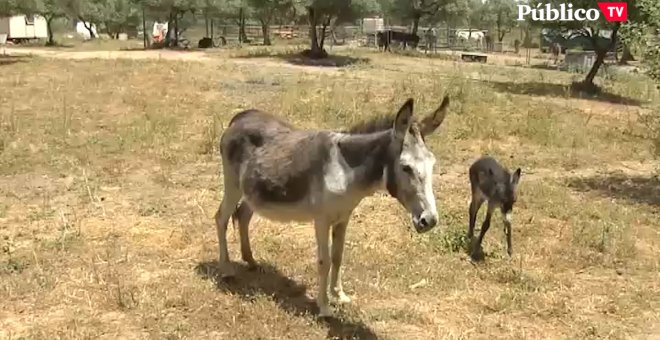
288	174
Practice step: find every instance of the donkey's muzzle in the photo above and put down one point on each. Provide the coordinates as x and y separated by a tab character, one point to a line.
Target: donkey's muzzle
425	222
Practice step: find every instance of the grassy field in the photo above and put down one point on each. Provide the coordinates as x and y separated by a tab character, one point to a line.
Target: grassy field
110	176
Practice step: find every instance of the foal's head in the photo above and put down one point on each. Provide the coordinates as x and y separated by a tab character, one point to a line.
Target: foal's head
410	164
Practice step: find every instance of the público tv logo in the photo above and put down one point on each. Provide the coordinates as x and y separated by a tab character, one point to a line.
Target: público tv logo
612	11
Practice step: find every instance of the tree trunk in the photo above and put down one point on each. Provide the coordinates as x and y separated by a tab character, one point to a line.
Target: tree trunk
415	27
333	35
145	42
325	25
206	21
49	27
265	31
626	56
600	58
601	53
240	25
176	29
89	28
242	36
315	51
109	30
212	35
500	32
168	35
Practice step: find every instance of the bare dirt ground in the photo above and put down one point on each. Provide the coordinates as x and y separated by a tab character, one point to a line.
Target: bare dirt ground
110	176
147	54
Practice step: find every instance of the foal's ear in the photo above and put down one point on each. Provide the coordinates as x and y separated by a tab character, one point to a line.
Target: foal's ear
403	119
515	178
433	121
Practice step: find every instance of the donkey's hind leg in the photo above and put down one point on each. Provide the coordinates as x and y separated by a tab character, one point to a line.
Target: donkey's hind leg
243	215
477	250
227	207
338	240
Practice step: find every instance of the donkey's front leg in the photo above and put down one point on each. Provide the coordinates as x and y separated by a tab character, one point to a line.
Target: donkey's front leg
338	240
507	231
323	254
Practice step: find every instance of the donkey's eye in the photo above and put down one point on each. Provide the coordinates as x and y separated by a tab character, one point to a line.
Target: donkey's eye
407	169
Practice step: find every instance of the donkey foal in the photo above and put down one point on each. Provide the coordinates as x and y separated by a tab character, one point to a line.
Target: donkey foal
493	183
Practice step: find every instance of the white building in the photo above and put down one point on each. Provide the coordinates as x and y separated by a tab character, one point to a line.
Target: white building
24	27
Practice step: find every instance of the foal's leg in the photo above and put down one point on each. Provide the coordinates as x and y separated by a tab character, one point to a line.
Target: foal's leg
323	256
222	216
243	215
338	240
477	250
506	219
475	205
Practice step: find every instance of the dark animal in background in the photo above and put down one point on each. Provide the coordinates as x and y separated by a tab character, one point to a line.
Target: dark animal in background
516	46
489	42
491	182
385	38
205	42
555	49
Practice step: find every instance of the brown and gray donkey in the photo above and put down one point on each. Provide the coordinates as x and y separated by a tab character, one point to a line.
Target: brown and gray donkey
284	173
491	182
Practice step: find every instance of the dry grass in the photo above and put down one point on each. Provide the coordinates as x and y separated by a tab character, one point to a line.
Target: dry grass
110	177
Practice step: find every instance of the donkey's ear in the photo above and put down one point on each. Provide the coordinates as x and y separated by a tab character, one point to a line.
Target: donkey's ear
403	119
515	178
431	122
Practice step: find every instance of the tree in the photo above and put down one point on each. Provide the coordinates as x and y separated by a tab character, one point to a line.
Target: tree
415	10
266	10
50	10
330	12
7	7
211	9
86	11
174	11
501	13
117	15
594	31
645	34
476	14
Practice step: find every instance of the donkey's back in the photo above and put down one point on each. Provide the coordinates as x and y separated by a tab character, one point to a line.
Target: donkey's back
247	131
278	168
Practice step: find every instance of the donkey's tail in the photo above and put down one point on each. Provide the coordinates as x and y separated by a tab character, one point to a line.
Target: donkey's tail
235	215
240	213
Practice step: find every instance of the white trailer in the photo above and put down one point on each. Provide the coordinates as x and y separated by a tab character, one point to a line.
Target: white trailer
24	27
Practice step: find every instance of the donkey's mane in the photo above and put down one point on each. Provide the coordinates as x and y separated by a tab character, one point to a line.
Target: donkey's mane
377	123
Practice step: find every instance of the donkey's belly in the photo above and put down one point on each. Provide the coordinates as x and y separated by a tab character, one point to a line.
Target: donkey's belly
283	212
332	211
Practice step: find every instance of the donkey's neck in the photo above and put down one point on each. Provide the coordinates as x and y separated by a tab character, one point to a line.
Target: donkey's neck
367	156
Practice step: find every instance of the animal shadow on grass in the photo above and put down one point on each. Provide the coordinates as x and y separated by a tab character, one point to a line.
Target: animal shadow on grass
559	90
301	59
6	60
287	293
638	189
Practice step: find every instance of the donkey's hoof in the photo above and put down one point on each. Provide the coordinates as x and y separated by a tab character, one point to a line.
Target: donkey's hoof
477	255
227	272
324	312
252	265
341	297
